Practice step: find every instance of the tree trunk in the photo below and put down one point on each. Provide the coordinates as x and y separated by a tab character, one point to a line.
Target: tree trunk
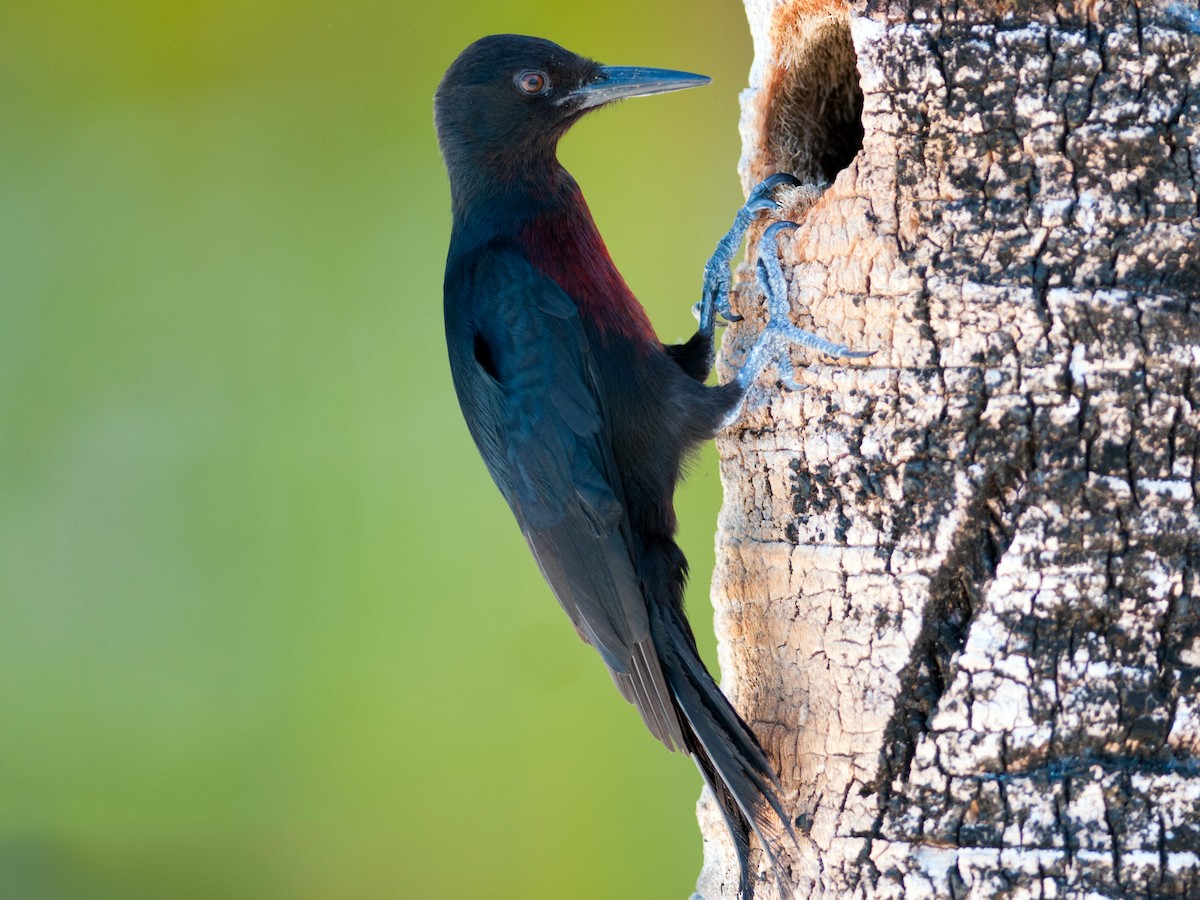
957	582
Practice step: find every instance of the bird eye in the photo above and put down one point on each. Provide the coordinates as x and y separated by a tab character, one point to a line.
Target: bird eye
533	82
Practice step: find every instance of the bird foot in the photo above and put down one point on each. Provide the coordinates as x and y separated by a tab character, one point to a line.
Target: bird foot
779	335
718	279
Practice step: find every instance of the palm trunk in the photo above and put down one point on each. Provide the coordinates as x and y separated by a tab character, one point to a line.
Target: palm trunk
957	585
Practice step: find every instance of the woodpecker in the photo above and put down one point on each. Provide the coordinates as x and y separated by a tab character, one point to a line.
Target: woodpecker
582	416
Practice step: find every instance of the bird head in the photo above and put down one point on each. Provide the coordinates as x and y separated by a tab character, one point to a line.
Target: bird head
503	104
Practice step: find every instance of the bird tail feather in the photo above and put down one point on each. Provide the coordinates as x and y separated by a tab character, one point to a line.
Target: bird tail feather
727	753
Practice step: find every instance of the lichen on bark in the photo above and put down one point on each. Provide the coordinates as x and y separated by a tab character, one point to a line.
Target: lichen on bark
957	583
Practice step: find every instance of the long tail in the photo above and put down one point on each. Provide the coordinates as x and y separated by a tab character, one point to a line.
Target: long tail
725	749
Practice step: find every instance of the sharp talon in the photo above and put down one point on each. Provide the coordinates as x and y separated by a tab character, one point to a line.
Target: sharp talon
773	181
765	188
769	239
698	313
787	374
789	382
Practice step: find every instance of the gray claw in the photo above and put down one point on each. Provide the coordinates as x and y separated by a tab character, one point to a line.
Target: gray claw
762	197
787	373
698	313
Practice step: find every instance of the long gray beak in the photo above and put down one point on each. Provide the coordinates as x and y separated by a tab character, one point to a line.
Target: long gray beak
619	82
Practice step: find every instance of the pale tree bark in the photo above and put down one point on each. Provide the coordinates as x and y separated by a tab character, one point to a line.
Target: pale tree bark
958	583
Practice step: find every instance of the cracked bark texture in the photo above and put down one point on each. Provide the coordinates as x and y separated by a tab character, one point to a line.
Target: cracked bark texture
957	582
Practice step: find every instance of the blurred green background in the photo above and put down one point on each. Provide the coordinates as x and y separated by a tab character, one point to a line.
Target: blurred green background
266	627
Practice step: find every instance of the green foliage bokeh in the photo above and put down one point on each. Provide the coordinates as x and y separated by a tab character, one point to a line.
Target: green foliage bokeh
266	628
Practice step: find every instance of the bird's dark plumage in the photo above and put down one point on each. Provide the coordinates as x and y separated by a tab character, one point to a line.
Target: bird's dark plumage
582	416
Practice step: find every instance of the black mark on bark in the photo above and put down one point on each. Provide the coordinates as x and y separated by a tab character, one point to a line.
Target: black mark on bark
955	592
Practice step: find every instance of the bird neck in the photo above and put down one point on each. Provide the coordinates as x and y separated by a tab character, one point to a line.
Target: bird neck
547	217
565	245
503	180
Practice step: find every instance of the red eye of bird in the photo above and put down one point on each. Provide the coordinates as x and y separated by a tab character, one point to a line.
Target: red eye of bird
532	81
